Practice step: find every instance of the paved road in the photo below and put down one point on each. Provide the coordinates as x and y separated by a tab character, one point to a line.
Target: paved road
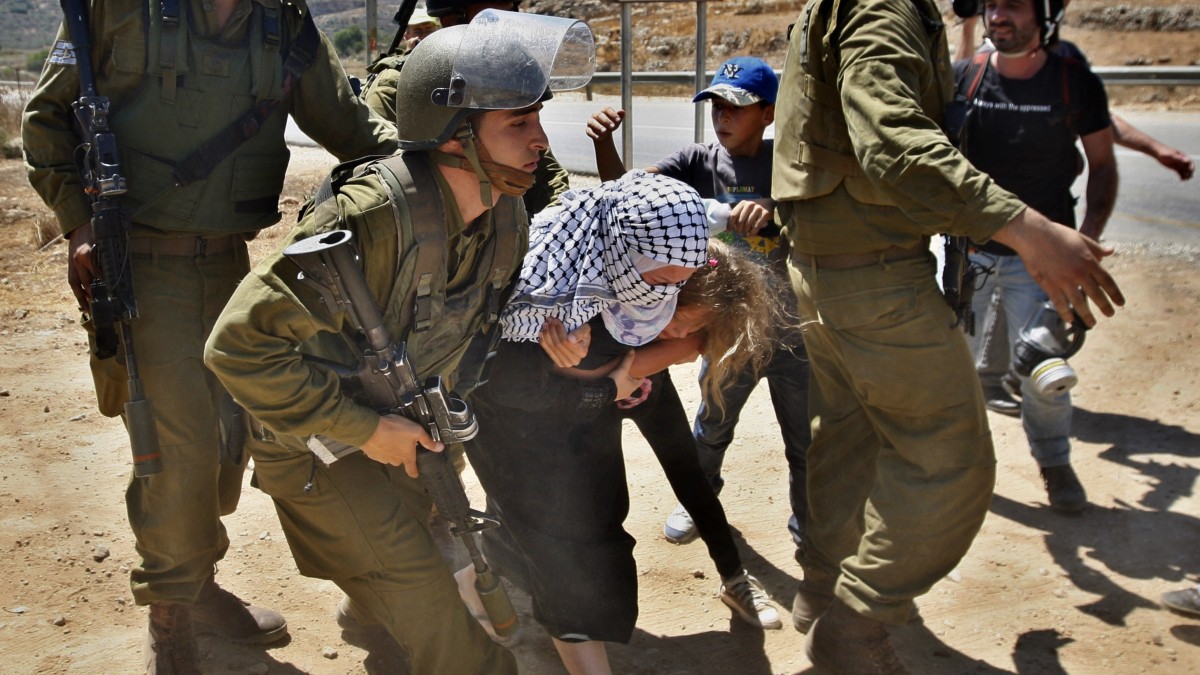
1153	205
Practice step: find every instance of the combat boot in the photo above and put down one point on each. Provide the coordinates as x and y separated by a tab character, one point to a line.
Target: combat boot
219	611
845	642
813	596
1064	489
353	617
170	647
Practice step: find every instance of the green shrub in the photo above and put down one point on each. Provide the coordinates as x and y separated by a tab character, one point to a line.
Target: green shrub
349	40
35	61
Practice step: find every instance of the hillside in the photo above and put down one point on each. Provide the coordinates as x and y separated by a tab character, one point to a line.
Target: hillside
665	31
1111	32
28	24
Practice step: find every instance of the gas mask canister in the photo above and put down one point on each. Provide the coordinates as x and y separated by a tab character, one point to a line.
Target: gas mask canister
1042	349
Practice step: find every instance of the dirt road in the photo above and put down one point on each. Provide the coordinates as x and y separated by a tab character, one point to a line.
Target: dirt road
1038	593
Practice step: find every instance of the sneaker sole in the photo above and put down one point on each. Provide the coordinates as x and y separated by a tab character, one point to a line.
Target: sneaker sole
1004	409
681	538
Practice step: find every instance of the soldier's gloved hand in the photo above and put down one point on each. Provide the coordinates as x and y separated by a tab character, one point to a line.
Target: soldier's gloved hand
81	265
395	442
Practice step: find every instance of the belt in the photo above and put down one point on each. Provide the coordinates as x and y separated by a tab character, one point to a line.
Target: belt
846	261
189	247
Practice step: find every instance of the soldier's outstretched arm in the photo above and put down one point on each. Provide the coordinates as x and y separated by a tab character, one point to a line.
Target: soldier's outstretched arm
1065	263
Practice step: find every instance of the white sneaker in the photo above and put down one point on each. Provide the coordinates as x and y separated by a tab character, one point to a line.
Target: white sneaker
679	528
745	595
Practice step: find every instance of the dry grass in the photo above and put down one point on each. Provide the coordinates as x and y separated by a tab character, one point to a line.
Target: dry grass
12	104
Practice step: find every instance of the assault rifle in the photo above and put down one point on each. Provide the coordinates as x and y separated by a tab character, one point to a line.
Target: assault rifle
113	306
958	281
387	379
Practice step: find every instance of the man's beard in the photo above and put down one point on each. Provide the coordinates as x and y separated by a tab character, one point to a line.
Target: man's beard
1017	44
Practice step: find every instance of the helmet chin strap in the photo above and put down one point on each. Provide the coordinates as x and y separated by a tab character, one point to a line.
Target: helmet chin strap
506	179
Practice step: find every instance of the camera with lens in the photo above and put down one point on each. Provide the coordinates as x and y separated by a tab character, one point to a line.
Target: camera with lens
1043	347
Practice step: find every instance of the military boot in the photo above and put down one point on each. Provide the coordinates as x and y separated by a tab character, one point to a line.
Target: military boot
170	646
353	617
845	642
813	596
219	611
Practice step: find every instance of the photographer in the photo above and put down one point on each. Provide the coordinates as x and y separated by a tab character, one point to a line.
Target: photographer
1028	105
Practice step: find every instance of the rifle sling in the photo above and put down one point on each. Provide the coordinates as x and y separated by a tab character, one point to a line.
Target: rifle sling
201	162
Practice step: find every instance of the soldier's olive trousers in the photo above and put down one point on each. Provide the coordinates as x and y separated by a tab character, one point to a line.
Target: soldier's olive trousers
362	525
176	514
901	466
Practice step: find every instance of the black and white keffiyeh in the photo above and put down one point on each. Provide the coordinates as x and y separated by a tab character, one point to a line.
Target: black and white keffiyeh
581	258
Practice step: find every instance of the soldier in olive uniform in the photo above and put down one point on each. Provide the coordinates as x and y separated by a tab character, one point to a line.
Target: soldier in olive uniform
901	466
176	76
550	178
471	137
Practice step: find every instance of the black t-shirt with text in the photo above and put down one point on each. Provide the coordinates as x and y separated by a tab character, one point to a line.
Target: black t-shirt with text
1022	132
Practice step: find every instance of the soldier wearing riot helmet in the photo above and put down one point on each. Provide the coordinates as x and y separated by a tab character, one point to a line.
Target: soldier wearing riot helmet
439	241
550	178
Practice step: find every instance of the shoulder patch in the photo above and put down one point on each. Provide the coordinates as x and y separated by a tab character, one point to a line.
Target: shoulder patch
63	53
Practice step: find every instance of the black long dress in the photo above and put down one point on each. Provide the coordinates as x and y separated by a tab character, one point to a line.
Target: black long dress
549	456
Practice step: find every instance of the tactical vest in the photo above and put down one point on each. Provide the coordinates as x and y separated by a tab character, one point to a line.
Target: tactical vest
192	89
440	325
816	147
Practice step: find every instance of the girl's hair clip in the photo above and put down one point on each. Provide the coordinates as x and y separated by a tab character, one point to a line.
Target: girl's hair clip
712	262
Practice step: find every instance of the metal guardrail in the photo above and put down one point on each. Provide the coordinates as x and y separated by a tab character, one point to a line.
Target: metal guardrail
1111	75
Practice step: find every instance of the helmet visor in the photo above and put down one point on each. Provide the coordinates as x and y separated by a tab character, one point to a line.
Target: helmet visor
508	60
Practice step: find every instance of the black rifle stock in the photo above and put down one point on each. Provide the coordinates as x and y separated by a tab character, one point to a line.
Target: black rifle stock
388	380
113	305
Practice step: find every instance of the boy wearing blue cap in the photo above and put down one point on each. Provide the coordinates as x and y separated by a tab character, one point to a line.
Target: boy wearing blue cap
735	172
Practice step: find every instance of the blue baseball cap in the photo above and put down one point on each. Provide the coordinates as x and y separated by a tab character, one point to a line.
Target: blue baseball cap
743	80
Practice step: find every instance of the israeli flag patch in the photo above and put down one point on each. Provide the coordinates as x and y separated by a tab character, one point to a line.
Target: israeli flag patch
63	53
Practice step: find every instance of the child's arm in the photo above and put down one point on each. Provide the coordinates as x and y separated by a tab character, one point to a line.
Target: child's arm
658	355
600	129
749	216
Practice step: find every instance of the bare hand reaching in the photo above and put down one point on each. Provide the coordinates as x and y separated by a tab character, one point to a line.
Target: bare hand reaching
602	124
626	383
749	216
1065	263
565	349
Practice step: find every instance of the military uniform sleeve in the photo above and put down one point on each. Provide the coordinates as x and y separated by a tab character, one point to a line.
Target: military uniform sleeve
380	97
256	345
900	146
326	109
49	142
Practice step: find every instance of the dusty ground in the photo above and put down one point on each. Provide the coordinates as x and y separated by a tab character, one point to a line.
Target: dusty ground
1038	593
